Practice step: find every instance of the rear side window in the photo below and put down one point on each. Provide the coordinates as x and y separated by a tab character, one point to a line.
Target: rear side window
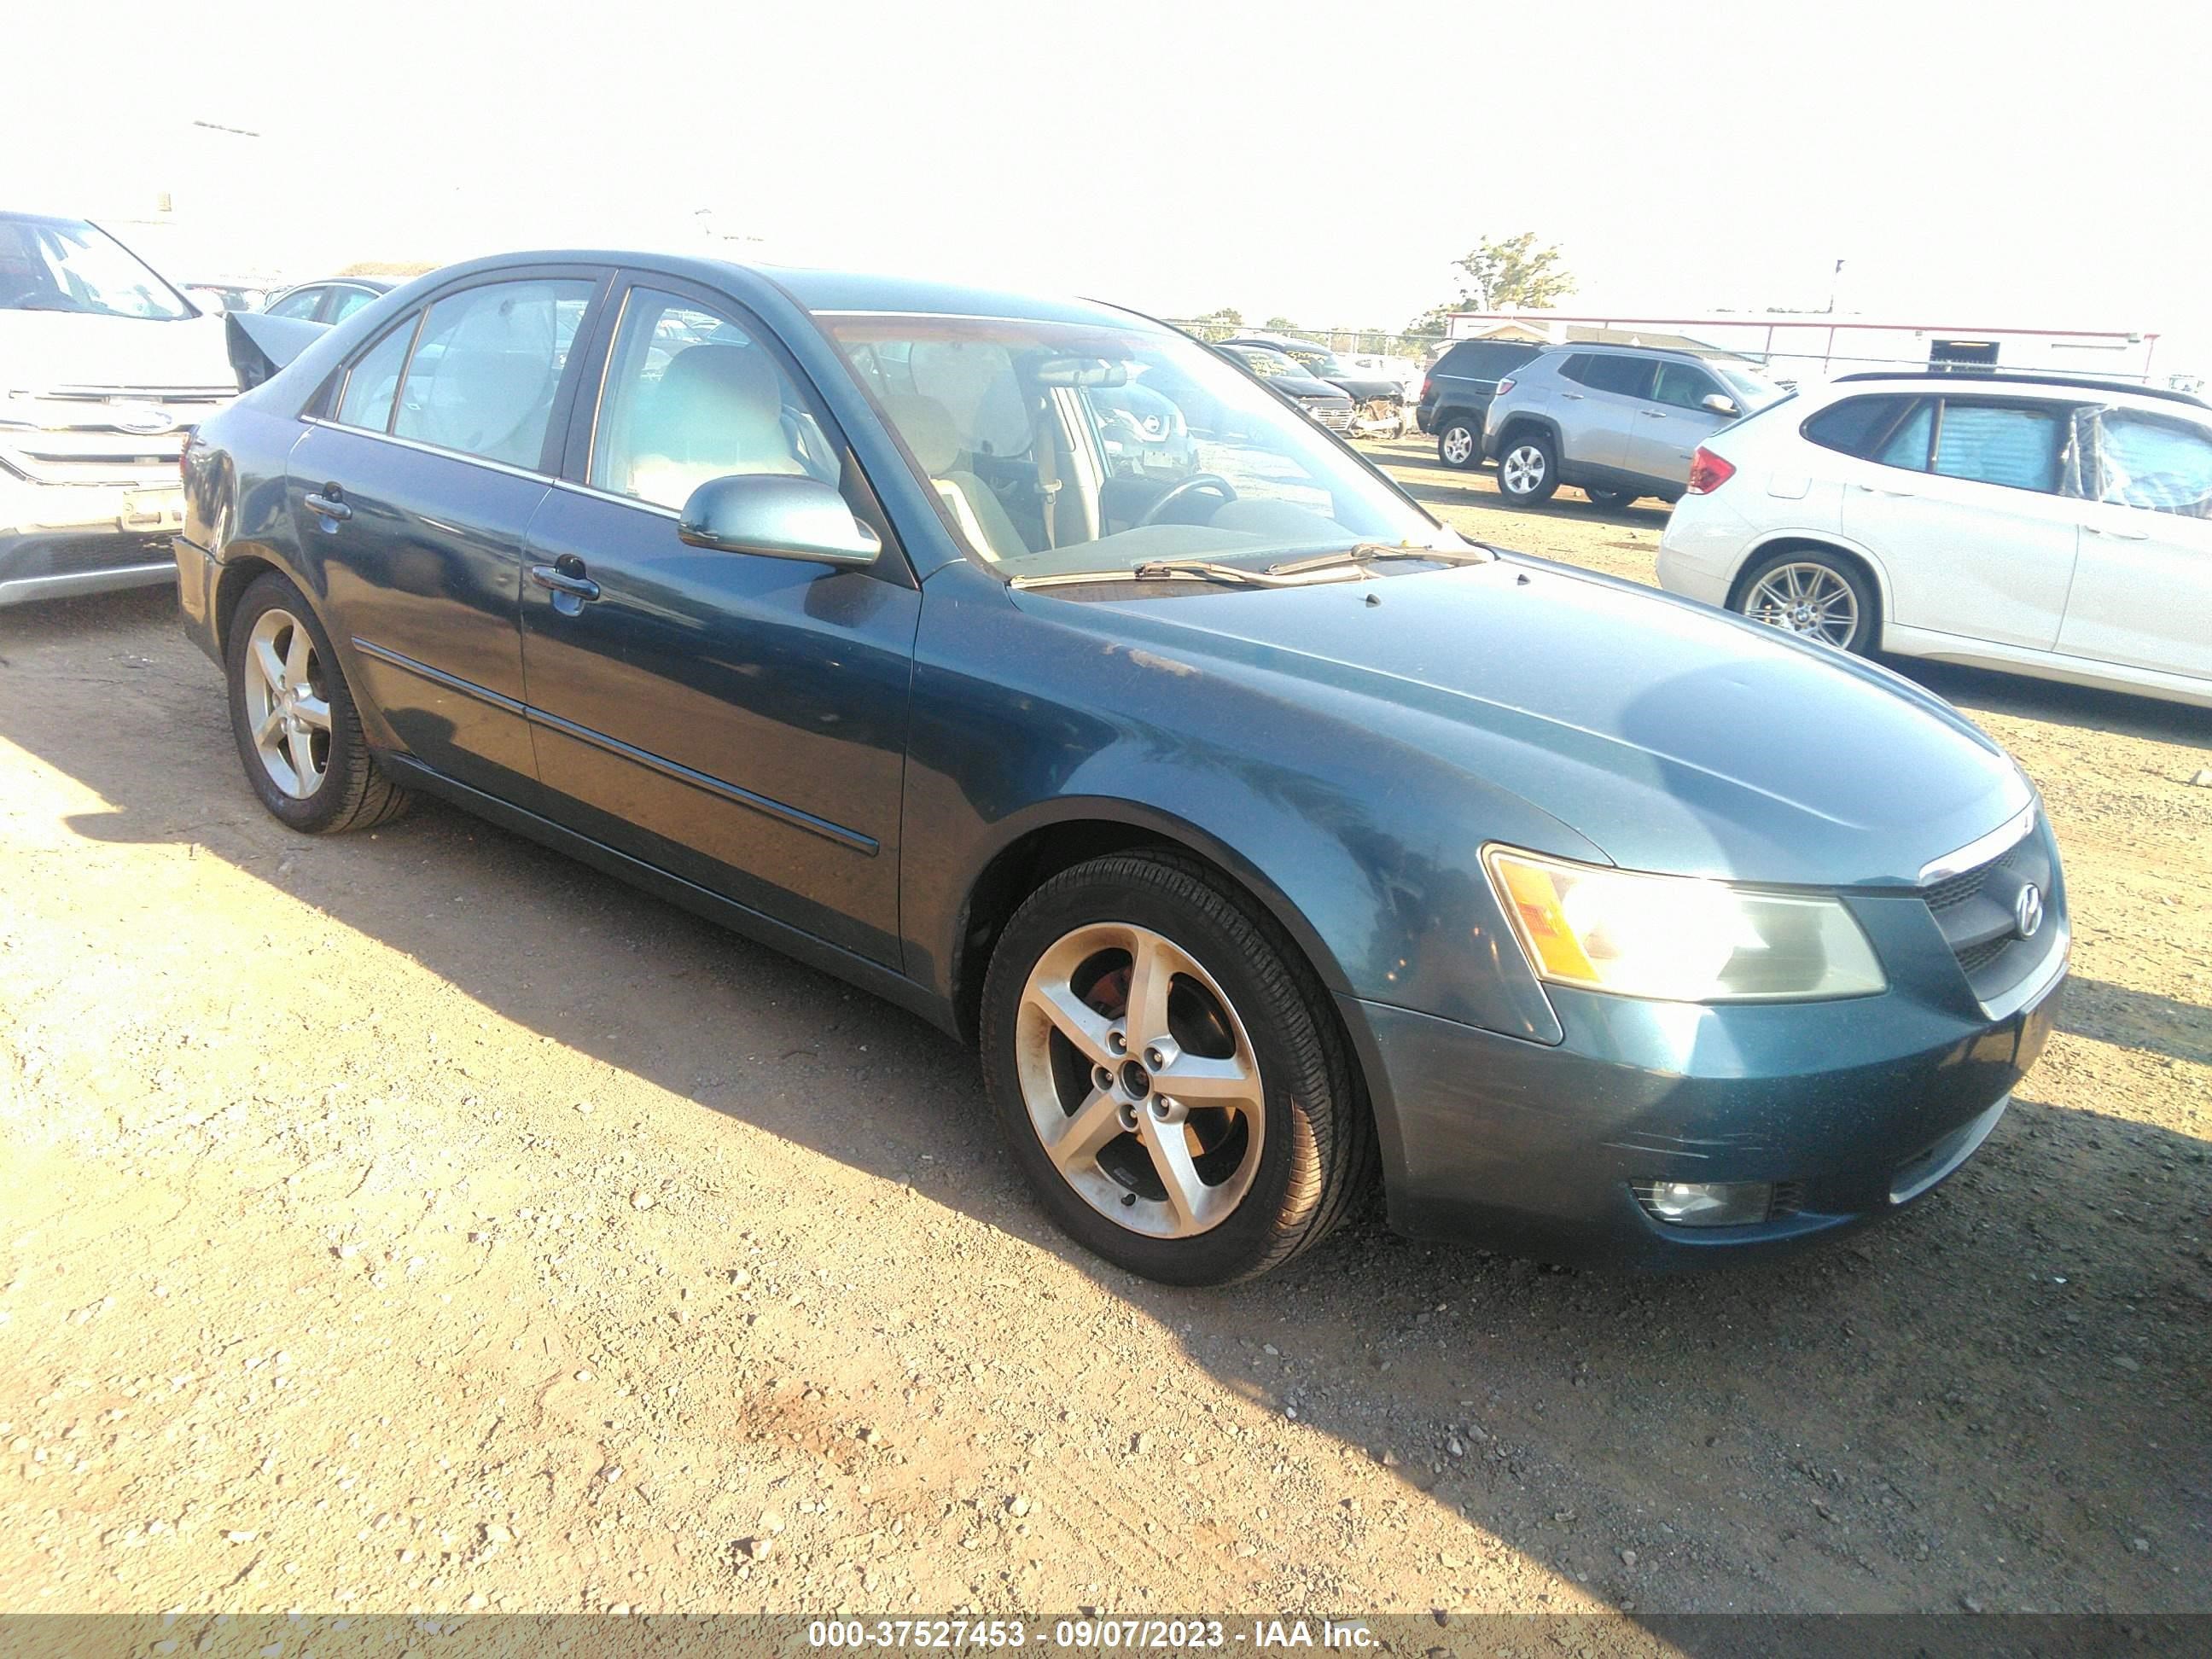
373	380
349	300
484	375
2006	443
301	305
1631	377
1858	426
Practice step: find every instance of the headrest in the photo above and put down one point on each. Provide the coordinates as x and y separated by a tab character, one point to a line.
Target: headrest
928	428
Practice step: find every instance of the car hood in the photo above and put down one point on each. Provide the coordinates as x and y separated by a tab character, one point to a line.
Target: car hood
1359	388
1307	390
1675	737
41	349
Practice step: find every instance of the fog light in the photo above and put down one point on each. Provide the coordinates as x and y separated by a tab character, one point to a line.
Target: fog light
1706	1203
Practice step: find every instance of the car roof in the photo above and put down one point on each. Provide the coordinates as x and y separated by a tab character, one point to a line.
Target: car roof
1673	354
1924	381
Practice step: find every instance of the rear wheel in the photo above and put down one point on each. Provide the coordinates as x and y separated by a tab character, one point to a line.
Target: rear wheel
1459	442
1812	592
1168	1074
1528	467
298	732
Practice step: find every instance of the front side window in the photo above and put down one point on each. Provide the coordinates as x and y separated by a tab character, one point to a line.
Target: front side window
303	304
485	374
65	265
1684	387
2009	444
1056	447
692	395
1629	377
2161	465
349	300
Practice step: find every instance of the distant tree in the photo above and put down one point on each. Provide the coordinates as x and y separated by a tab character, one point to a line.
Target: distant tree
388	268
1511	272
1218	324
1279	325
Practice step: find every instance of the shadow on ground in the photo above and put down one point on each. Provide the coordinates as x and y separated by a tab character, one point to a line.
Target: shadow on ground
1990	1396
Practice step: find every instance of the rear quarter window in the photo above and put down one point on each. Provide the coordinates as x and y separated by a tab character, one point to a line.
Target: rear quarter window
1856	426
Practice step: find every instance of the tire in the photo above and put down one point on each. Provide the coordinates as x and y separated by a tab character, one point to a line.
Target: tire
1611	500
1528	468
1266	1175
1460	435
1814	593
316	774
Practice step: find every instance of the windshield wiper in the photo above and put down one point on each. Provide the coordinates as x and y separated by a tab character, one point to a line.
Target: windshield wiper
1155	570
1373	552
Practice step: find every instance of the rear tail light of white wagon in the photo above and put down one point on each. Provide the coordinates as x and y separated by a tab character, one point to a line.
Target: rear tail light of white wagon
1708	472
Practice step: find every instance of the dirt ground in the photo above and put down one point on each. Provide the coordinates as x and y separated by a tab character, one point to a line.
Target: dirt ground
418	1220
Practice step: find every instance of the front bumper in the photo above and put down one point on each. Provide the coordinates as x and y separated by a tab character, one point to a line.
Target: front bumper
1851	1108
60	539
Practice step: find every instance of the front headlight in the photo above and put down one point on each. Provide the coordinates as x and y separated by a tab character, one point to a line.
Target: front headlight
1678	939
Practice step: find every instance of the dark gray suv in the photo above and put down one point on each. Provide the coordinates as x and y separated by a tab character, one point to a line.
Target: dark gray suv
1620	422
1456	397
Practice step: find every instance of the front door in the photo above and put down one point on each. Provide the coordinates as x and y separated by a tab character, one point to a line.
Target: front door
736	720
1966	504
1670	428
411	499
2142	594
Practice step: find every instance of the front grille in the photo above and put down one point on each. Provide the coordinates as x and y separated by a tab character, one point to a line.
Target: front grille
1974	909
1335	416
80	555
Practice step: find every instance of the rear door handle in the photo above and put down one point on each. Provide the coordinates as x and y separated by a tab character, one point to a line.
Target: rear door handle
1577	396
575	583
1653	414
1876	489
330	505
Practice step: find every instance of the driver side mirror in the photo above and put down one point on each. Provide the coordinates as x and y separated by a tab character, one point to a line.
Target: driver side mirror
780	516
1719	403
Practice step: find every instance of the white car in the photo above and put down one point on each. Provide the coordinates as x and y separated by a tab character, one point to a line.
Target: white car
104	369
2056	527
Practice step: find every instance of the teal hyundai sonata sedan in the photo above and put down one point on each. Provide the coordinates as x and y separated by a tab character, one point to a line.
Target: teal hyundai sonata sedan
1266	837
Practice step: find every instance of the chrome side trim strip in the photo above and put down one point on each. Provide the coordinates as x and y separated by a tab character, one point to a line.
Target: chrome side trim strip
430	449
438	676
1981	849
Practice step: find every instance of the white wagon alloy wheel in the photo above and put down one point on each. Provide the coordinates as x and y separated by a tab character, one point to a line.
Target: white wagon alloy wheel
288	708
1140	1079
1522	471
1806	597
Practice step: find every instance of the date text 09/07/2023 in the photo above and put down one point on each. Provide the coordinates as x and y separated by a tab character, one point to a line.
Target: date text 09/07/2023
1261	1635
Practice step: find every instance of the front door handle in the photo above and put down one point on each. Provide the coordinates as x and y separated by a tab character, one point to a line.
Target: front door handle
1653	414
2117	535
330	504
573	583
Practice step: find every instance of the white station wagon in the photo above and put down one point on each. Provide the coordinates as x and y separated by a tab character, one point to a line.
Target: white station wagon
2045	526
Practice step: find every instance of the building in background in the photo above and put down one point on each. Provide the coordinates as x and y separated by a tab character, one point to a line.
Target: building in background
1818	346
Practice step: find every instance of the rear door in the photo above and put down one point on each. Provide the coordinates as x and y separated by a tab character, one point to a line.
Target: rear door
1669	428
2143	592
1966	501
1600	401
735	719
412	493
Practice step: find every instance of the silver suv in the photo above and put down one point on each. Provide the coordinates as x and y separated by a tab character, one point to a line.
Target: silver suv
1619	422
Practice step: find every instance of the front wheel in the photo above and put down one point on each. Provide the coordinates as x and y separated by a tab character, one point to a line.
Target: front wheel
1814	593
298	732
1168	1074
1528	468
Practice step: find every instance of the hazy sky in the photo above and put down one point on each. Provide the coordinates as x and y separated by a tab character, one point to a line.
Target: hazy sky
2019	165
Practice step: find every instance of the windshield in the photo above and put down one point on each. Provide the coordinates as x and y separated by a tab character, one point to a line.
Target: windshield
1751	391
1056	447
63	264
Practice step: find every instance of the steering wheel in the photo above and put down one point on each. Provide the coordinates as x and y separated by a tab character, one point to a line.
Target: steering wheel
1211	483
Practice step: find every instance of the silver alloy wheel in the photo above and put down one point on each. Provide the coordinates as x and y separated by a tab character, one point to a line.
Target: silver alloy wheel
1522	469
1807	598
1459	444
1141	1080
285	704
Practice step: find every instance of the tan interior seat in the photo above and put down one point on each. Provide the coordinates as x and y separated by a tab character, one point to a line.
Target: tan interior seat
718	410
934	443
